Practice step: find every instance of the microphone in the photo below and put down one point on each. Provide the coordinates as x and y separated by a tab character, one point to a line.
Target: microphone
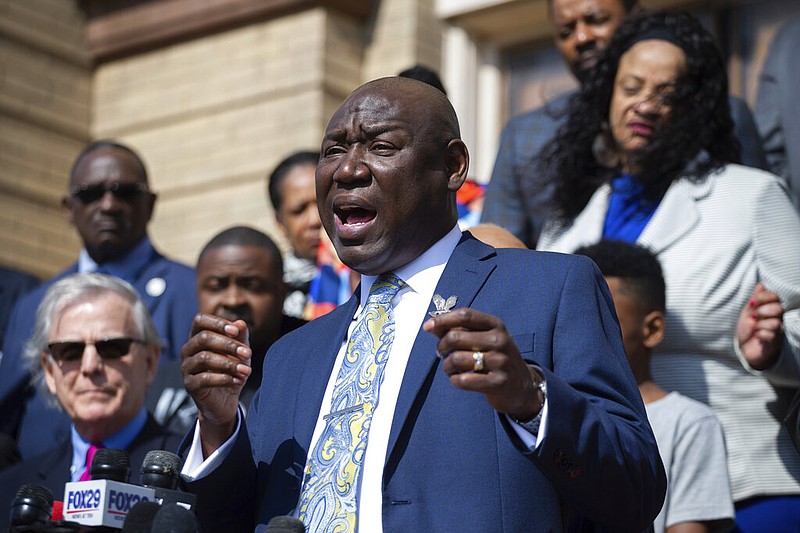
160	471
111	464
58	511
285	524
174	518
108	498
140	519
34	511
31	506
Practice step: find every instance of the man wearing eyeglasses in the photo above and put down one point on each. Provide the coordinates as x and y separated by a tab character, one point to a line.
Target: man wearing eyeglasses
93	352
110	204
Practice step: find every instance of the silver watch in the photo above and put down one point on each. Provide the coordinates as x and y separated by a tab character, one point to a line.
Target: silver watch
532	425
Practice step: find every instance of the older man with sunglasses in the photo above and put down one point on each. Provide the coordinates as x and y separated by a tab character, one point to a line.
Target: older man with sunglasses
110	204
93	352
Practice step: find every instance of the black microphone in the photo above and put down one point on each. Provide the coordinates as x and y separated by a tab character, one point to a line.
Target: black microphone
161	468
160	471
111	464
173	518
31	507
285	524
140	518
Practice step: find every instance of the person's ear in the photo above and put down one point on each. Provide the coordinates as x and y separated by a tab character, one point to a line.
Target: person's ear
653	326
152	354
457	161
66	206
150	204
49	378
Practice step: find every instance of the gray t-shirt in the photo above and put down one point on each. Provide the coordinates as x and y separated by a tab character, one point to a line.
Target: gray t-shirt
692	447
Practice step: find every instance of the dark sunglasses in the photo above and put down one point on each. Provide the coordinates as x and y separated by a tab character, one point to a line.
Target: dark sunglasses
127	192
70	351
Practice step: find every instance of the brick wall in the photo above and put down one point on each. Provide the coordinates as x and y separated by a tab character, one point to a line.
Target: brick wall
44	121
211	116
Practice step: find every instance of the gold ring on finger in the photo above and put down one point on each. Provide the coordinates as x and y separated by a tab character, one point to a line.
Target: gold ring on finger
478	358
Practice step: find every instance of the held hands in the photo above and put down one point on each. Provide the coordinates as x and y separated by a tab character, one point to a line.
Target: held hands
216	364
759	330
506	380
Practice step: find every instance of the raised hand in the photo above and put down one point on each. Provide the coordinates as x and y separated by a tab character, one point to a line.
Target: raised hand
216	364
759	330
480	355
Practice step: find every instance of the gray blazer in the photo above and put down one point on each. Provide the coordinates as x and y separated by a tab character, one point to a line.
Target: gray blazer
716	239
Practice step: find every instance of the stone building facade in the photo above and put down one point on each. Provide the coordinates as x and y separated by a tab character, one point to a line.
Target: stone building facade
213	94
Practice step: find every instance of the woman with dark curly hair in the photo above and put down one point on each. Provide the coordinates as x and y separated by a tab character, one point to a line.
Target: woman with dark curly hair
647	155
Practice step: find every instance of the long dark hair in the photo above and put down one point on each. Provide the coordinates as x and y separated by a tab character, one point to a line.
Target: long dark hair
697	139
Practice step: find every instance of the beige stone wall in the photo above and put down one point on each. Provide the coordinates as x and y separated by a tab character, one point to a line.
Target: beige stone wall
211	117
405	32
44	122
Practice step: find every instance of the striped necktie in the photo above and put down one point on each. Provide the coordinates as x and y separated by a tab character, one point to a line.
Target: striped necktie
328	499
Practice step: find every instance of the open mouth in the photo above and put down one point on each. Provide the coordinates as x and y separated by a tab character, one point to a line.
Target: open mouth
353	220
353	215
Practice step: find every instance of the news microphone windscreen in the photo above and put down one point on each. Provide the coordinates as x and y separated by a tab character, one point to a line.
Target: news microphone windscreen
32	505
58	510
285	524
111	464
161	468
172	518
140	518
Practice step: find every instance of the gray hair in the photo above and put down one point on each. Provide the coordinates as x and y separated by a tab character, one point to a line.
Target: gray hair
72	290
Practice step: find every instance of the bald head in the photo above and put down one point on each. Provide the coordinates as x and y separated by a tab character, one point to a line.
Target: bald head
391	163
429	104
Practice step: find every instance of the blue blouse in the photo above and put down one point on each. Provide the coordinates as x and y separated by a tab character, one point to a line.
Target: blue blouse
628	210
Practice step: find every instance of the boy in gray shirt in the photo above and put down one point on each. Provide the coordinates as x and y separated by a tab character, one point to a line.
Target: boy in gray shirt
689	436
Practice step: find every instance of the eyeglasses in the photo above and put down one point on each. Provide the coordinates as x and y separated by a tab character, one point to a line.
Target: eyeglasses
127	192
71	351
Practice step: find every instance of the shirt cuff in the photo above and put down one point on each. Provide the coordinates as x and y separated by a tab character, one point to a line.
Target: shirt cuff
530	440
194	467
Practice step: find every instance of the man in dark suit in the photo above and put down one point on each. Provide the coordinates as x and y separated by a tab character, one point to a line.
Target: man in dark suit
509	406
94	350
110	204
239	277
518	195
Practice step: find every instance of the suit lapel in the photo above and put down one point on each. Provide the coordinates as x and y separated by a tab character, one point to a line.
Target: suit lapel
587	228
467	270
318	368
676	214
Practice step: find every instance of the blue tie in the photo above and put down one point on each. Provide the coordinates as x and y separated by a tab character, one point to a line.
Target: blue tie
328	499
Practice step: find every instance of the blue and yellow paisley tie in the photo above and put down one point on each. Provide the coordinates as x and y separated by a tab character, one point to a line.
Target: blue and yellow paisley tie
328	499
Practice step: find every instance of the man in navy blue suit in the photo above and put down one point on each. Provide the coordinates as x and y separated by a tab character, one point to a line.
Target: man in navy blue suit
110	204
506	402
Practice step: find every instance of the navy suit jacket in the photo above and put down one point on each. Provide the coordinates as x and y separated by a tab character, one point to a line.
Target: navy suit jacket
51	469
453	463
518	195
13	285
24	414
